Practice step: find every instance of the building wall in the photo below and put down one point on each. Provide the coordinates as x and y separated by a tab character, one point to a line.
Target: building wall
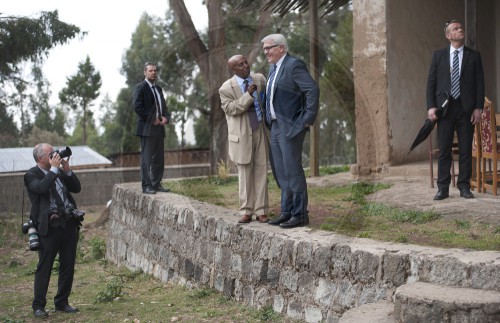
97	185
414	32
393	45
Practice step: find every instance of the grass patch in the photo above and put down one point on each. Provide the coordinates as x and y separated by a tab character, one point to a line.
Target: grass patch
345	210
106	293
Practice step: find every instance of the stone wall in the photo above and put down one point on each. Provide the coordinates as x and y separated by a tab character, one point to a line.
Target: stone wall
97	184
309	275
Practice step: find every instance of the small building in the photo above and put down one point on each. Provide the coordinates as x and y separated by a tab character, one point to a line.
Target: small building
21	159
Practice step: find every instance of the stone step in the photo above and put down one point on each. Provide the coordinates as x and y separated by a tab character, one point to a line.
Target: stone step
379	312
425	302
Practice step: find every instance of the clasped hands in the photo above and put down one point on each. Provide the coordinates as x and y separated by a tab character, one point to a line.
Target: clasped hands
160	121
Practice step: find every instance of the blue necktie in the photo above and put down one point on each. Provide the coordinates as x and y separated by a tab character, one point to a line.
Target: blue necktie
455	77
272	74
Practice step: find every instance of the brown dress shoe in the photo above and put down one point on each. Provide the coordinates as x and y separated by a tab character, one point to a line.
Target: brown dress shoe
262	218
245	219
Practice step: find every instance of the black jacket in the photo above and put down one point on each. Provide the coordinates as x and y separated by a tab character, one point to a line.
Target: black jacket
471	79
38	185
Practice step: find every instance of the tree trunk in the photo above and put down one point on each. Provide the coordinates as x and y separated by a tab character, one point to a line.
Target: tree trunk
213	65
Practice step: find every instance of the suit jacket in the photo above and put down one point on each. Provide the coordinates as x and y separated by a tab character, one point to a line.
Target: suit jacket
145	108
471	79
38	185
296	96
235	105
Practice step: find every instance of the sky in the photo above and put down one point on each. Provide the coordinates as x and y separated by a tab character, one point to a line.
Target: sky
109	25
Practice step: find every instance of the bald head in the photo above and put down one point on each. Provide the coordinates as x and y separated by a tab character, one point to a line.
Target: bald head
239	65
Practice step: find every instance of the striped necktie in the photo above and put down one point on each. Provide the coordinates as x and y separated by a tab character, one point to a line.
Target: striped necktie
455	77
272	74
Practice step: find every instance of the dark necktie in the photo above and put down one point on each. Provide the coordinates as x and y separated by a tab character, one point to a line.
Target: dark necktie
455	77
158	112
252	114
272	74
56	196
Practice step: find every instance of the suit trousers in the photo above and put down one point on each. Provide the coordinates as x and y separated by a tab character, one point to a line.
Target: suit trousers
455	118
287	160
152	161
252	177
62	241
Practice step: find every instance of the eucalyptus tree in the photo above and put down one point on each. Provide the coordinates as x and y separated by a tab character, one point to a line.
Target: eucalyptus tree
25	39
80	92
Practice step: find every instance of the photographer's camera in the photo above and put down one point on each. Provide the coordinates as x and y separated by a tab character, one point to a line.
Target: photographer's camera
63	153
56	216
29	228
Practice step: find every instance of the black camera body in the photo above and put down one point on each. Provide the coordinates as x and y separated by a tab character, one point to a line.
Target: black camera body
63	153
29	228
73	213
56	215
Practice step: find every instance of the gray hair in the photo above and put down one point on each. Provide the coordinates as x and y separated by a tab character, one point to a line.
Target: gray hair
38	152
277	39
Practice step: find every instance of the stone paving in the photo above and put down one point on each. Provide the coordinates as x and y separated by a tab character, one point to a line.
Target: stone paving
411	189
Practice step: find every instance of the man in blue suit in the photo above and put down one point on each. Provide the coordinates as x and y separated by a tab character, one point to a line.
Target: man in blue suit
457	70
152	116
292	102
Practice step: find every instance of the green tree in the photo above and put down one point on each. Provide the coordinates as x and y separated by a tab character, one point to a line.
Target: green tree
119	126
24	39
9	133
337	128
80	92
47	118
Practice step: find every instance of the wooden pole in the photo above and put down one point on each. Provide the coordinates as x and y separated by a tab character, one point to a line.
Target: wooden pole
314	67
470	23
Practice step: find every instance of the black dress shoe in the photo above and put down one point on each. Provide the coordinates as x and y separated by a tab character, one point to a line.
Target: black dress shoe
40	313
162	189
441	195
295	221
149	190
466	193
67	309
282	218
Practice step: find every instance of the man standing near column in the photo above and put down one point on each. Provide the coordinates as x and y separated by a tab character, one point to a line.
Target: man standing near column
457	70
152	116
242	102
292	102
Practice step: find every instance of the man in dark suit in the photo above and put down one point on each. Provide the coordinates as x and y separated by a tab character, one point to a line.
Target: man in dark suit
152	116
292	102
49	188
458	70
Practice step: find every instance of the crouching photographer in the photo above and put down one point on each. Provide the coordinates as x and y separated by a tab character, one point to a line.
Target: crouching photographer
56	220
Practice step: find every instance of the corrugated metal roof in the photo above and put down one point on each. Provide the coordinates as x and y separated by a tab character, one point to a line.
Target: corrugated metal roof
21	159
282	7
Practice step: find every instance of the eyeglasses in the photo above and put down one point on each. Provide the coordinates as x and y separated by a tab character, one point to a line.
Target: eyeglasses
268	48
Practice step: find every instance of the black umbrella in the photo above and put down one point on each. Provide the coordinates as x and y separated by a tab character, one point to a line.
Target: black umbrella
426	129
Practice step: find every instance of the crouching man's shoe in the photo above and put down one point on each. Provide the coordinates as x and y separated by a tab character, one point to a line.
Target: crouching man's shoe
441	195
67	309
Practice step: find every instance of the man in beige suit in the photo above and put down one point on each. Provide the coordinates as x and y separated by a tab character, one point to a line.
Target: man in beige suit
242	99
